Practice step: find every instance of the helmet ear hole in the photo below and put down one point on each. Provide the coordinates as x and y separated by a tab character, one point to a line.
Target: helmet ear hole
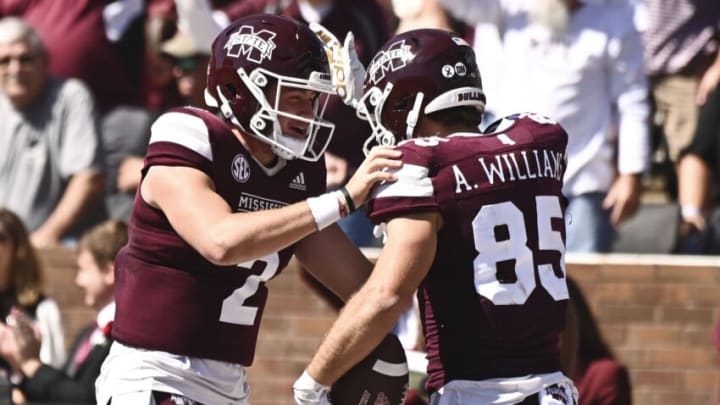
231	90
387	138
260	80
404	103
258	123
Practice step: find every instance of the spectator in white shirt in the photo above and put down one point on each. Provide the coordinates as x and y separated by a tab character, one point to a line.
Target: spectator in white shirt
579	62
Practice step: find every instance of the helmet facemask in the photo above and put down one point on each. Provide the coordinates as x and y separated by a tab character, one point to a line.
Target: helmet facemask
370	108
265	122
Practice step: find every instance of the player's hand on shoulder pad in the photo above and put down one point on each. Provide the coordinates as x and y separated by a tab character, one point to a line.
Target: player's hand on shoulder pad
379	165
310	392
347	72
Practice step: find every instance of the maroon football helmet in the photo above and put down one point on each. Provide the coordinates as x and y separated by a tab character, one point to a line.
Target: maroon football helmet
262	53
415	73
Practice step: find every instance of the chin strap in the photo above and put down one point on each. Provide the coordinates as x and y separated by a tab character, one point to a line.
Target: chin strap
225	109
210	101
413	115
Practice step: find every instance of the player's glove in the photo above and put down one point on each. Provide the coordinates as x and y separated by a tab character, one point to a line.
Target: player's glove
310	392
347	72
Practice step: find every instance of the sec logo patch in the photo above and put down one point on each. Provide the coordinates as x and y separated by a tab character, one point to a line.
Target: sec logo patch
240	168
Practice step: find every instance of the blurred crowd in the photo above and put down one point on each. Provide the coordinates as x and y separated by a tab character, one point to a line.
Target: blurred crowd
634	83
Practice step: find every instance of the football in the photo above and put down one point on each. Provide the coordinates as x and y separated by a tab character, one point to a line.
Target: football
379	379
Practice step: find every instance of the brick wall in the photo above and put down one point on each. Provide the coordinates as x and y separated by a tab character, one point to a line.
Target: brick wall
657	312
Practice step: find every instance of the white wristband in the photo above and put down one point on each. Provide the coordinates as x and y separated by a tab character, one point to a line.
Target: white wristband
325	209
689	211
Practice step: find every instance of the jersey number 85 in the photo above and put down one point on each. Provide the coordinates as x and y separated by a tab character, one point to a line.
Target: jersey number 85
491	251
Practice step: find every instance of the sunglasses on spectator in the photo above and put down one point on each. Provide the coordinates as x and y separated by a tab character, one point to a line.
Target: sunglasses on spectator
24	59
188	64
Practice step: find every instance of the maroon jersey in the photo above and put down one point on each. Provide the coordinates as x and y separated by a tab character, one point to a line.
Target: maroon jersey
168	296
494	301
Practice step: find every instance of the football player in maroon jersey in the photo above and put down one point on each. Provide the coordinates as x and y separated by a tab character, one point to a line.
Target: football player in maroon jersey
225	201
474	224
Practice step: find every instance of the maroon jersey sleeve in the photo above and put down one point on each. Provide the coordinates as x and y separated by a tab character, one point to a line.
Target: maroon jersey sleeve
493	302
168	296
180	139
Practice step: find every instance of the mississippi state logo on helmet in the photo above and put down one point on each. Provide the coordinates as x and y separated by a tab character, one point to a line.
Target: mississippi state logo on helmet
251	45
415	73
379	379
253	61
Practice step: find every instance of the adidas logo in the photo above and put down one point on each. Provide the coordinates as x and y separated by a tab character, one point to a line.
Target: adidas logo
298	183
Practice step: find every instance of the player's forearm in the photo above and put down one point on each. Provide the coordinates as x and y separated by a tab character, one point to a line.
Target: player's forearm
343	280
361	326
249	235
272	230
375	309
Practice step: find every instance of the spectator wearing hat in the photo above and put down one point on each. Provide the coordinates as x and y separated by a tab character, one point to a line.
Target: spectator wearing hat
189	67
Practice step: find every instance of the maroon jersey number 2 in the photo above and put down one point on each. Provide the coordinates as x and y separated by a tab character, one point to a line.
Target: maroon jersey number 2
234	309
